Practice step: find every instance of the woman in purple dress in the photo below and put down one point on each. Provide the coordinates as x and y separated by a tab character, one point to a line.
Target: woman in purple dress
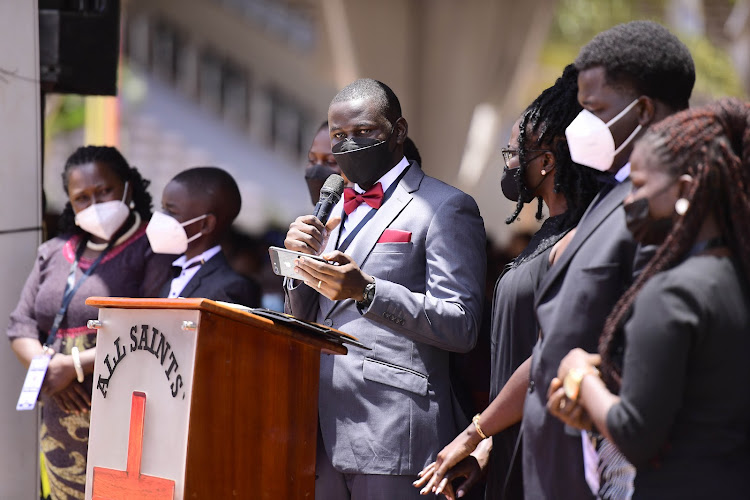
104	249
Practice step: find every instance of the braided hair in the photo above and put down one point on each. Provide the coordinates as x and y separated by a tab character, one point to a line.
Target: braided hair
113	159
543	123
711	144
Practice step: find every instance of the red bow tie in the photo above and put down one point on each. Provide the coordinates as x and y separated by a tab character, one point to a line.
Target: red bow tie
373	197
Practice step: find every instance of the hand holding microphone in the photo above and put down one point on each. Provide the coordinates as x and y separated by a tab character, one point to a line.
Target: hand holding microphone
308	233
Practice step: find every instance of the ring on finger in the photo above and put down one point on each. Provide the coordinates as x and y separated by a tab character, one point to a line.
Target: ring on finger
562	404
320	282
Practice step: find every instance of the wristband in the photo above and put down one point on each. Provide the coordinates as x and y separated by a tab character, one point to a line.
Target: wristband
77	363
476	426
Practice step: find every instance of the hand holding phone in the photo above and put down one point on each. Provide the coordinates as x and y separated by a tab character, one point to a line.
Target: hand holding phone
282	261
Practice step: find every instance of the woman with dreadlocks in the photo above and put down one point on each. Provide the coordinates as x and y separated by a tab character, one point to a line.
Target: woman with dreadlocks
537	166
102	250
673	389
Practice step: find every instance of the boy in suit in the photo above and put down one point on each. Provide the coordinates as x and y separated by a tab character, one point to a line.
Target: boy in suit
409	282
199	205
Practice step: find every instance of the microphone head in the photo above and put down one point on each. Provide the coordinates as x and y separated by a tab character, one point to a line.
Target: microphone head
334	185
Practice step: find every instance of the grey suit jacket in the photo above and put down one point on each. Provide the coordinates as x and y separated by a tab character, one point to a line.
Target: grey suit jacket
388	410
572	304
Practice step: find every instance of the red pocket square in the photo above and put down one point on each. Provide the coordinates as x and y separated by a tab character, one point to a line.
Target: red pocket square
395	236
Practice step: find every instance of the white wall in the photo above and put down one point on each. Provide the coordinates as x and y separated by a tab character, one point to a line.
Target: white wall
20	207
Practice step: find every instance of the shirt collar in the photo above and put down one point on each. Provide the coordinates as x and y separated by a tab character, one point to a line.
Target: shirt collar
387	179
623	173
205	257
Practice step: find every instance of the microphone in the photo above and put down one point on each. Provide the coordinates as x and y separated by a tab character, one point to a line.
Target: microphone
330	194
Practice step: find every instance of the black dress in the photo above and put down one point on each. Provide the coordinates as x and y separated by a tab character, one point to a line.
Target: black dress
514	333
684	415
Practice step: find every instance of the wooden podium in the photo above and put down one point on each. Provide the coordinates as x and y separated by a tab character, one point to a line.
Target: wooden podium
196	399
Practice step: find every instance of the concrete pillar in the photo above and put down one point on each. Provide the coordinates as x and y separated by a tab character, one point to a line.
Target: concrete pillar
20	233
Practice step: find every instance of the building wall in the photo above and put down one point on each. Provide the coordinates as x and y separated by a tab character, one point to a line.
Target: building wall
457	67
20	233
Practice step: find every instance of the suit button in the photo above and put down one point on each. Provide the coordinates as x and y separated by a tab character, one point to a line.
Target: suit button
328	322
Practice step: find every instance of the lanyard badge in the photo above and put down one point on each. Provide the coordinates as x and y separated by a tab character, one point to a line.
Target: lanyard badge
39	363
33	382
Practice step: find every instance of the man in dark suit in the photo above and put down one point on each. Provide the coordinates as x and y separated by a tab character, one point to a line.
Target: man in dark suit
408	281
641	73
199	205
630	77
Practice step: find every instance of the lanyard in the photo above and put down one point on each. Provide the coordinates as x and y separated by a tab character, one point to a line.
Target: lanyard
71	287
350	237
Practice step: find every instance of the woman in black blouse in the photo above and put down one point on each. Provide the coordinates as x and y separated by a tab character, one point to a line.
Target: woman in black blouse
538	168
673	390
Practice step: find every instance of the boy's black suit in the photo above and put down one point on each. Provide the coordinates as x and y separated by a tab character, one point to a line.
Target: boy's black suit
216	280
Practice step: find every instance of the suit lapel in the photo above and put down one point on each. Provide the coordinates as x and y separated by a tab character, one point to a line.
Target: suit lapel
385	215
592	218
205	270
333	238
369	236
165	288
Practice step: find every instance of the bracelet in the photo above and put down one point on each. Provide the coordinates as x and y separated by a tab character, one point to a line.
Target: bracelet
77	363
476	426
573	379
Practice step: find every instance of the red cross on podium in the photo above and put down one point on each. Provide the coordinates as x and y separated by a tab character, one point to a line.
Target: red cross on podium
130	484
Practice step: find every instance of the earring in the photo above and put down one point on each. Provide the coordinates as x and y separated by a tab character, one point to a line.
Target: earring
132	205
543	172
681	206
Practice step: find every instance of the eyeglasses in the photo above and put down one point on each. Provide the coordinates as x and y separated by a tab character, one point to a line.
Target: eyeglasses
509	153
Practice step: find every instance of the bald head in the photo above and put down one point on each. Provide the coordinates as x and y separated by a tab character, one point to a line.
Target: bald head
378	93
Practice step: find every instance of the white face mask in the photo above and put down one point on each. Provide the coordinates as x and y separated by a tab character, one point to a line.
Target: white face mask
167	235
590	140
104	219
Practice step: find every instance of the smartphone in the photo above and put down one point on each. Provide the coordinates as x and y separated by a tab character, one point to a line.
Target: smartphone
283	261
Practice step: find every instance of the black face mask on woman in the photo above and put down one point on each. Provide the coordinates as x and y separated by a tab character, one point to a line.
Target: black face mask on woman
644	228
363	160
315	176
509	186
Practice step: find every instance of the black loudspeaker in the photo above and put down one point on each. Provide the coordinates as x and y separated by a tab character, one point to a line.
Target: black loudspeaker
79	46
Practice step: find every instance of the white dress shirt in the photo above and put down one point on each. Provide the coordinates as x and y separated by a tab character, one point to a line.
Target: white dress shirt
189	270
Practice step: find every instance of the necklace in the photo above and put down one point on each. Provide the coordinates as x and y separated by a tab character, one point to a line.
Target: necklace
98	247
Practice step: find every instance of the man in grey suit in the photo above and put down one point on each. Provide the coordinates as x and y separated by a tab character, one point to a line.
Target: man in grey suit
630	76
406	276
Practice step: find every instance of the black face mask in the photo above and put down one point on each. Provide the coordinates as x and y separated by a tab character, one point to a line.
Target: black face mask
315	176
644	228
363	160
509	185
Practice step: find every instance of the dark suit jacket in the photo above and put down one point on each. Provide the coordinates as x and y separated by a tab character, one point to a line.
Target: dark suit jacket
573	301
216	280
